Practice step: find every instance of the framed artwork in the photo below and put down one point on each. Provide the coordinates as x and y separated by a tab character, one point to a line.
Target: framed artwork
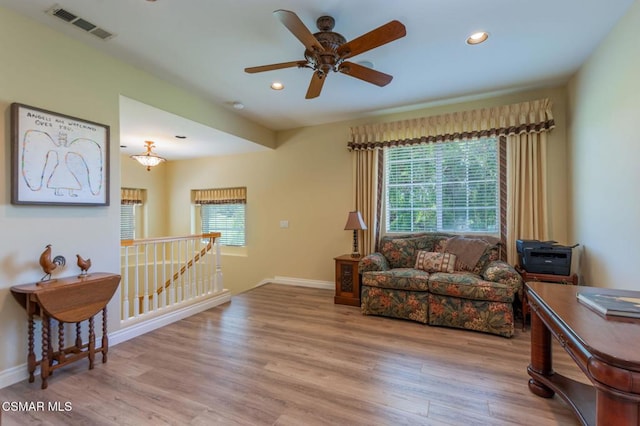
58	159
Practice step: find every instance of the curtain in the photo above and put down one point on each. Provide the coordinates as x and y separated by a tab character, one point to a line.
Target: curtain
524	126
527	214
220	196
368	188
131	196
525	117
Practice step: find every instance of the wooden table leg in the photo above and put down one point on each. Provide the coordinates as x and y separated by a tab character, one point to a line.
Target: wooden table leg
31	356
92	343
541	361
46	346
61	343
105	338
78	343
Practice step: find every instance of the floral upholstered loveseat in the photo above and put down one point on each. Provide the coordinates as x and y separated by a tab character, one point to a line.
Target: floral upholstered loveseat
441	279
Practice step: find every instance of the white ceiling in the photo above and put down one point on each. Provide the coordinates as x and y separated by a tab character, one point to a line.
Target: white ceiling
204	46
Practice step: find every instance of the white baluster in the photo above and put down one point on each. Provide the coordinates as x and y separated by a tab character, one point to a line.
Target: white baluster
174	283
125	285
219	286
164	276
145	301
154	287
136	278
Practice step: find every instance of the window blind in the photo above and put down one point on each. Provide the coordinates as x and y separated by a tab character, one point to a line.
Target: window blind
447	186
129	199
127	221
223	210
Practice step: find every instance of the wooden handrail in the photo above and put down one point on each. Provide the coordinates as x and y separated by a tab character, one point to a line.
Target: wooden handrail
128	243
184	268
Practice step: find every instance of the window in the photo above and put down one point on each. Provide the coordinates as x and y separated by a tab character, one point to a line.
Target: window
446	186
127	221
223	210
130	219
228	219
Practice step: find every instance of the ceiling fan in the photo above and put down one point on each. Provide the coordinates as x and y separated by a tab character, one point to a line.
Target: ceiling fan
328	51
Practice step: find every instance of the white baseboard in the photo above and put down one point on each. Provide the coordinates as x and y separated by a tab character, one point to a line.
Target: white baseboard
143	325
13	375
300	282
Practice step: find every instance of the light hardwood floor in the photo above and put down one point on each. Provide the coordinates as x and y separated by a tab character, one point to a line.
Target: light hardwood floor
282	355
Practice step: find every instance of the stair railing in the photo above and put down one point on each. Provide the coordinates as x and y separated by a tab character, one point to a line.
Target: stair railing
161	273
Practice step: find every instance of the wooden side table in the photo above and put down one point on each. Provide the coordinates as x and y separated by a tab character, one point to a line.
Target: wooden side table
546	278
347	280
67	300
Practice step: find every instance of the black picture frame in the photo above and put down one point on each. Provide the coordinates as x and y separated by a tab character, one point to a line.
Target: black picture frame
58	159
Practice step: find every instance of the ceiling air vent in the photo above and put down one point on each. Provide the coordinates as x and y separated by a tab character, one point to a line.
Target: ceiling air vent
83	24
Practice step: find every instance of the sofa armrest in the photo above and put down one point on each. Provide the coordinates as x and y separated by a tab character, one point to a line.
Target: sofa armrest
500	271
373	262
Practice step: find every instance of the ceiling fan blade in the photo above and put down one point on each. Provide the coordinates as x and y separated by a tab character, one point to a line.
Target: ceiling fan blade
315	87
382	35
366	74
298	29
271	67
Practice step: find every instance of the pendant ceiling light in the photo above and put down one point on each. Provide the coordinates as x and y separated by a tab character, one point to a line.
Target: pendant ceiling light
149	159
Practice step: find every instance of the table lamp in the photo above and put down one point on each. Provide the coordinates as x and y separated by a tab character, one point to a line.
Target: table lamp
355	223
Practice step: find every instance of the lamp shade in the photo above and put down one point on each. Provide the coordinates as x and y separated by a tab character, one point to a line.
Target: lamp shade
355	222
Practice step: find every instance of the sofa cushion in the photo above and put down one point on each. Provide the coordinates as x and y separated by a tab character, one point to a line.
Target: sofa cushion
465	285
431	261
401	250
398	278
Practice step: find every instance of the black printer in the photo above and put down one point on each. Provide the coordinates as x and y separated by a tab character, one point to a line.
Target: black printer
544	257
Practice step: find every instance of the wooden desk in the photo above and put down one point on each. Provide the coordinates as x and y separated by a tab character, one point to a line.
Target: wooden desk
607	350
67	300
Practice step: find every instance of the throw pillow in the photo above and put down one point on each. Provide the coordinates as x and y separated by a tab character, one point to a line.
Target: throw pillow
435	262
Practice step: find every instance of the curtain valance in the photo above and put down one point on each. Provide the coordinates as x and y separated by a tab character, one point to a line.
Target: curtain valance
220	196
526	117
130	196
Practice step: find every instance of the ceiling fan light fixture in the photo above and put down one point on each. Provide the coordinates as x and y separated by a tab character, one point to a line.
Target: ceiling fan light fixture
276	85
327	51
149	158
477	37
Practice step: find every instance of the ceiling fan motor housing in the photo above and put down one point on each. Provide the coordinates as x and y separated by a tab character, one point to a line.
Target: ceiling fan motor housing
328	60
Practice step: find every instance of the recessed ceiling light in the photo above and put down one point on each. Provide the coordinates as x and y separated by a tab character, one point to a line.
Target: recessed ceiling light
180	137
477	38
276	85
238	105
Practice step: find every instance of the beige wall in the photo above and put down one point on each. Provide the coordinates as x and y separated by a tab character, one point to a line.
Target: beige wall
45	69
307	180
605	155
134	175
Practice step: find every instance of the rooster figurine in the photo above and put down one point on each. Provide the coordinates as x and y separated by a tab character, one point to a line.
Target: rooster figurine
48	265
84	266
